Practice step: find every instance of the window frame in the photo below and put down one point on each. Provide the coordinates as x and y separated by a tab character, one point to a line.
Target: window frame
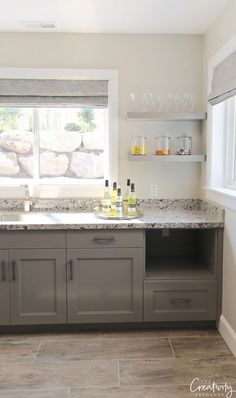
230	181
217	188
79	188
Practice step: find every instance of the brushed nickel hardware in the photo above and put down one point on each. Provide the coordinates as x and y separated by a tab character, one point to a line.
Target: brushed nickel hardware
180	301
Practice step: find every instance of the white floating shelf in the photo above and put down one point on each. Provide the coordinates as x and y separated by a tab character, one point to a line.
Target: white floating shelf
167	116
167	158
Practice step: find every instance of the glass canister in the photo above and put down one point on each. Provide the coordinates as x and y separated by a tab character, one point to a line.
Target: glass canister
163	144
184	145
139	145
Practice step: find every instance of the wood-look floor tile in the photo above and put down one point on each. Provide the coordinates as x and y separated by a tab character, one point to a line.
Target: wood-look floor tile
48	336
176	371
105	349
18	351
200	347
115	392
134	392
170	332
52	393
138	392
67	374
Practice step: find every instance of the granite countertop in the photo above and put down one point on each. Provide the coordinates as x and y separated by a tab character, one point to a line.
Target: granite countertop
77	215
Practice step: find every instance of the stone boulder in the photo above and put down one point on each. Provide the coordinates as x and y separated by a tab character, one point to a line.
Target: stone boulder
93	140
17	141
60	142
53	165
8	164
87	165
26	163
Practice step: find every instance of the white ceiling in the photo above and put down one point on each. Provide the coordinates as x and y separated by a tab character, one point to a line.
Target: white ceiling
112	16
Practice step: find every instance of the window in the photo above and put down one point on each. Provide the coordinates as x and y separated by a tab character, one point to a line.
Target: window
223	146
58	131
230	172
60	144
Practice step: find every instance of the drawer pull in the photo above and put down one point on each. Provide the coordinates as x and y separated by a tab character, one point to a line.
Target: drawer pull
109	239
3	271
180	301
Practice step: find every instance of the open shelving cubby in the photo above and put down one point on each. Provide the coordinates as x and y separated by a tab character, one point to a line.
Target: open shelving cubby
180	254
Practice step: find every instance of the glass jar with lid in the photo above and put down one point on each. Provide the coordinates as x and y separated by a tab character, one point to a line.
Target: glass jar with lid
139	145
184	145
163	145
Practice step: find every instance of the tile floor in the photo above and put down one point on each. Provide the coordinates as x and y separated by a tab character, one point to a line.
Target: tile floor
114	364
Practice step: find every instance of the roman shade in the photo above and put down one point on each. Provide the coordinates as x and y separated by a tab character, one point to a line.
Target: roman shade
53	93
224	80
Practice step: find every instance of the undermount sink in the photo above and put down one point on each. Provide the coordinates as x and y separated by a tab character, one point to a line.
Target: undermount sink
23	217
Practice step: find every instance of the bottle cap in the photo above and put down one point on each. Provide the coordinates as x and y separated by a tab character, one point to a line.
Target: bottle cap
114	185
132	187
119	191
128	182
106	183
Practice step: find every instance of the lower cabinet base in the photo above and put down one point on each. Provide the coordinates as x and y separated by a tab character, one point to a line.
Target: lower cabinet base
64	328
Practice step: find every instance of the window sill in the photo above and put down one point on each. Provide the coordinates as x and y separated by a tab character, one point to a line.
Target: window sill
223	196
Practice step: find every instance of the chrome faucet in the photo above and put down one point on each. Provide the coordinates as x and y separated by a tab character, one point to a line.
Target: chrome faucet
27	200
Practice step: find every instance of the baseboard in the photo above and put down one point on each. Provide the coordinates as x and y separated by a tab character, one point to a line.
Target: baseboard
228	334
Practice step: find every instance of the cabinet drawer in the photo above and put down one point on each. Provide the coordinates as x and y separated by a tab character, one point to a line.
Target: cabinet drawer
180	300
32	240
104	238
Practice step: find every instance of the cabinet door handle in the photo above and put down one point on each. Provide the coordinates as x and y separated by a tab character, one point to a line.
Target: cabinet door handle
108	239
13	271
3	264
180	301
71	270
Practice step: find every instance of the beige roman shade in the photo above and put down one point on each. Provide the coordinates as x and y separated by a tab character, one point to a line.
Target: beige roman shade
224	80
53	93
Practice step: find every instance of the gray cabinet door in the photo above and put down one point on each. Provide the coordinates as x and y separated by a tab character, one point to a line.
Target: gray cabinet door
38	286
105	285
4	289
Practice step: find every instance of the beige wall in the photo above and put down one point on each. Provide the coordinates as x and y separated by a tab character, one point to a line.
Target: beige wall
218	34
146	63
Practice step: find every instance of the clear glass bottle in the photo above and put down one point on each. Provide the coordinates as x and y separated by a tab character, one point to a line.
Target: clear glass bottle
125	201
113	199
132	201
163	145
184	145
106	200
119	203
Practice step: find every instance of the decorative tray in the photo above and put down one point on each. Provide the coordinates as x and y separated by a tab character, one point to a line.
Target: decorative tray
125	216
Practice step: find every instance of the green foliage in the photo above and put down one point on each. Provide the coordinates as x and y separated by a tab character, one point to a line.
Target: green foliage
8	118
72	127
86	120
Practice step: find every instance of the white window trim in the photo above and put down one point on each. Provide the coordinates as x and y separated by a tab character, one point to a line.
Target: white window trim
86	188
221	195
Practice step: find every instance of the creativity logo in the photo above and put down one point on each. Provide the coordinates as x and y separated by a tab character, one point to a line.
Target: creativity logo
211	389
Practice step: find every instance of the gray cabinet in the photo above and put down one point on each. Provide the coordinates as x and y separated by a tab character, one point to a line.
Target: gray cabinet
4	289
180	300
38	286
105	284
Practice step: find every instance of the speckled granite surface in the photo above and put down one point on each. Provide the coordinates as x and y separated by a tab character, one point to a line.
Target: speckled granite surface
78	214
